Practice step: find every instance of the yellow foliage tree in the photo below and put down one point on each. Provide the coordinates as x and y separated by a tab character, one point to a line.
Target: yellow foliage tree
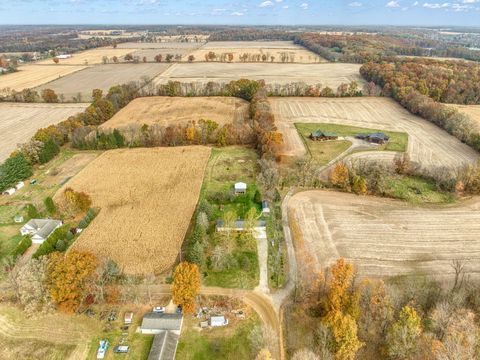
70	278
340	176
186	285
359	185
264	354
344	331
403	336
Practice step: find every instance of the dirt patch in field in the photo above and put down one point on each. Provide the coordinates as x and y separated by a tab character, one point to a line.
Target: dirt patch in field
327	74
19	122
68	169
147	198
102	77
428	145
176	110
30	76
385	237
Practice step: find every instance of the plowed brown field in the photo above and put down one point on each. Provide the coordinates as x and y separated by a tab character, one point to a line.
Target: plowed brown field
428	145
147	198
385	237
176	110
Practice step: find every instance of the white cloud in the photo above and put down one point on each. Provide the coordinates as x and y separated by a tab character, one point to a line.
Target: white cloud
266	4
436	5
237	13
415	3
355	4
393	4
285	6
304	6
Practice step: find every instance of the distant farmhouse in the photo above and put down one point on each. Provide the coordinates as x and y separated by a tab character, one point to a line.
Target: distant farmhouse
40	229
166	328
376	138
322	136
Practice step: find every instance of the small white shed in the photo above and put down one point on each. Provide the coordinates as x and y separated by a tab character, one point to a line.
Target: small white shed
10	191
240	188
19	185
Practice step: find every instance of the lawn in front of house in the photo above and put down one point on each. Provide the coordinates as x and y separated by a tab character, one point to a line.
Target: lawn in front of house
398	140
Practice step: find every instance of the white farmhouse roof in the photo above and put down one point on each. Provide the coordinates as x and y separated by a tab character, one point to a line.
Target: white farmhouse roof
40	229
240	186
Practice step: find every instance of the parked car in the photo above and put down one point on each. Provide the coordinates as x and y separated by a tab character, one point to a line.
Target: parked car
123	349
179	309
112	316
102	349
159	309
90	313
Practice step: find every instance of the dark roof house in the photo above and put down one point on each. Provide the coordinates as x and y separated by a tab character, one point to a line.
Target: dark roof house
164	346
154	323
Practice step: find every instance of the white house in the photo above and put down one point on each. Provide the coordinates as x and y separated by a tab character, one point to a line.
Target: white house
240	188
40	229
10	191
19	185
65	56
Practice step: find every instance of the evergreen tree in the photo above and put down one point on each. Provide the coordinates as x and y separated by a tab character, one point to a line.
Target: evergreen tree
14	169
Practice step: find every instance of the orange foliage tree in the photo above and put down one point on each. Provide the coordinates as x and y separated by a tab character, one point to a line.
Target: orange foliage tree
340	176
70	278
77	201
186	285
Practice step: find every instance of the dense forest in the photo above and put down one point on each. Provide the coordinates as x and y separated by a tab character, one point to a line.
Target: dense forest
456	82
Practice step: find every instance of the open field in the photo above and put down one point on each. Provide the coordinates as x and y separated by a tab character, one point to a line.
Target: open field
91	57
171	45
176	110
327	74
30	76
473	111
102	77
20	121
36	338
384	237
282	51
428	145
142	224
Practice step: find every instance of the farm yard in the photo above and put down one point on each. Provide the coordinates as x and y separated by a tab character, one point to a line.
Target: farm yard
428	145
178	110
142	223
258	51
102	77
30	76
90	57
21	121
331	75
384	237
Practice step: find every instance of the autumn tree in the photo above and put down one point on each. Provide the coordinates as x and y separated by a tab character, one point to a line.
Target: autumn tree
76	201
158	58
71	276
128	57
340	176
264	354
403	335
191	58
56	60
49	96
359	185
186	285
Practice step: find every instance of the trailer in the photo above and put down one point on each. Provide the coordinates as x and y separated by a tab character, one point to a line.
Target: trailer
128	318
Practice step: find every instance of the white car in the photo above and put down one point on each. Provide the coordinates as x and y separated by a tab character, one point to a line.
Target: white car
159	309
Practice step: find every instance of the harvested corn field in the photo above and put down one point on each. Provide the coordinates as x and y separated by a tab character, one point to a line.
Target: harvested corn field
472	111
147	198
428	145
327	74
177	110
30	76
20	121
102	77
385	237
256	51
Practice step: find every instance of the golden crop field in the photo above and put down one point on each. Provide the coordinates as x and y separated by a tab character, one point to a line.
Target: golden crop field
473	111
91	57
30	76
178	110
147	198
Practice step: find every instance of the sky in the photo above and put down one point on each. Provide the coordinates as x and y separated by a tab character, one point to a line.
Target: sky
246	12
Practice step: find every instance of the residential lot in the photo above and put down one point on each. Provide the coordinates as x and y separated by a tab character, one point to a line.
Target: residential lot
21	121
102	77
91	57
328	74
29	76
177	110
428	145
281	51
384	237
147	198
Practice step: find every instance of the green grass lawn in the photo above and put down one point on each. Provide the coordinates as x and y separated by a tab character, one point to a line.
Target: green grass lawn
218	343
416	190
398	140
